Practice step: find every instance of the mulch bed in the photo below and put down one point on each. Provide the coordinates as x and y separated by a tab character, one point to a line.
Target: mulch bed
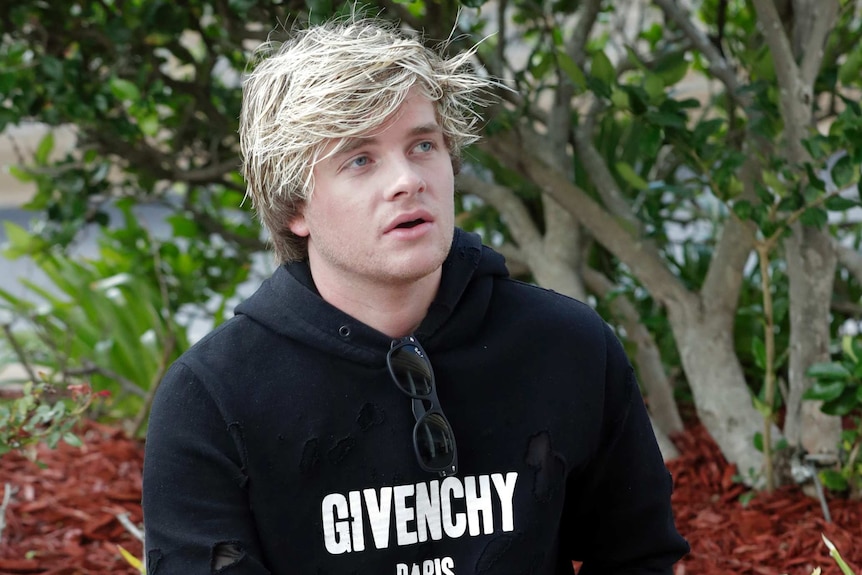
62	519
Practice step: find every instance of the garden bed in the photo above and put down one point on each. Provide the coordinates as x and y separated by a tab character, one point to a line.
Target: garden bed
64	516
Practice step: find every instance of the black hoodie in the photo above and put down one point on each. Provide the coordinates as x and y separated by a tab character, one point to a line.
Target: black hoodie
282	437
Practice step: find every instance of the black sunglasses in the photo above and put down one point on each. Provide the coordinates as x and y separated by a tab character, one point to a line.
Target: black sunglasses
433	440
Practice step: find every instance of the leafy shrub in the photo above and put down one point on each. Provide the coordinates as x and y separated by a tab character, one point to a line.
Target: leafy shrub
838	384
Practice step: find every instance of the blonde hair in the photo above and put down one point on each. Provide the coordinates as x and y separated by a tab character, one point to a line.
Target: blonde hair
335	81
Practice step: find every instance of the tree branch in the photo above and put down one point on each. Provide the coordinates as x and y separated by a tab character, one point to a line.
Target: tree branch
90	368
604	181
615	235
718	65
511	209
824	16
561	111
22	357
795	98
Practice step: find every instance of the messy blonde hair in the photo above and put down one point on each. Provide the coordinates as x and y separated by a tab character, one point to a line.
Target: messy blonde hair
331	82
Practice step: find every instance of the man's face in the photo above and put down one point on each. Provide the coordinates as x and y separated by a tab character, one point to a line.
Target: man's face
382	210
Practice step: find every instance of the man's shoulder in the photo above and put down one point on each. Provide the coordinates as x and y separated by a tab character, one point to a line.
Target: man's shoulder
532	296
238	340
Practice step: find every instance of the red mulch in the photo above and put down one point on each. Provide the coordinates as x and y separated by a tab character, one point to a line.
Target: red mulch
62	519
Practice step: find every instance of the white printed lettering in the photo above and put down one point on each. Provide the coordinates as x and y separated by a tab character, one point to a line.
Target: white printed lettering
428	518
479	502
404	515
336	534
506	492
453	525
378	515
356	521
439	566
419	512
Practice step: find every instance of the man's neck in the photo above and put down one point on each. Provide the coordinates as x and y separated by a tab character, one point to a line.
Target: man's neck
395	309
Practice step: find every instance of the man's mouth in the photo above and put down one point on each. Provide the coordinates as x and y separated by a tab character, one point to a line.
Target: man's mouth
410	224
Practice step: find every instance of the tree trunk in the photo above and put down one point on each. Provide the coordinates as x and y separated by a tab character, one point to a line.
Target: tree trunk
811	263
722	399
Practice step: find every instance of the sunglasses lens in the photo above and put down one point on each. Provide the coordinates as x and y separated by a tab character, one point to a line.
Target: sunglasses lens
434	441
411	371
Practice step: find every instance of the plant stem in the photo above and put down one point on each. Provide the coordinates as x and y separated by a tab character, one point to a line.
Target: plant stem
769	376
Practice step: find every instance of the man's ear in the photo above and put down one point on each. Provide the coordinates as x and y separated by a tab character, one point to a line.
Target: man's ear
298	225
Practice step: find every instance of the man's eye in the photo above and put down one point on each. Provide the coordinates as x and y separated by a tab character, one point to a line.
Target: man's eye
425	146
359	161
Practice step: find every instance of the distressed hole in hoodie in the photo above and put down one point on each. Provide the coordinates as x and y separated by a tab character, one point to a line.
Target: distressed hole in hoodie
549	467
310	456
236	432
154	557
506	552
226	554
369	416
341	449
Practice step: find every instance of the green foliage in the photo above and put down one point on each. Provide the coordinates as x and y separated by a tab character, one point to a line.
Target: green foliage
45	413
838	384
104	319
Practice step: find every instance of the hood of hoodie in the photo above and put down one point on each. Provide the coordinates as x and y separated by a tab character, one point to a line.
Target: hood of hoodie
289	304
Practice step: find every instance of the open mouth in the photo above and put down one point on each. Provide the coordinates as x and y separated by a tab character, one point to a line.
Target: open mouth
410	224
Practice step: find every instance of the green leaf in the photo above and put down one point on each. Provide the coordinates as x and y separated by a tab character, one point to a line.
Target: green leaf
183	227
149	124
833	480
638	99
775	183
843	172
840	204
72	439
842	405
654	87
848	73
758	350
634	59
666	119
814	217
742	209
672	68
631	177
21	174
818	147
762	407
828	371
825	391
124	90
602	69
758	441
707	128
44	149
572	70
19	241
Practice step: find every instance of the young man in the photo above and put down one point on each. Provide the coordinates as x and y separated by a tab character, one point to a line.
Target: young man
390	401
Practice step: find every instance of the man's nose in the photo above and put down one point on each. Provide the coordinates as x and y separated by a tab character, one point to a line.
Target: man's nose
404	178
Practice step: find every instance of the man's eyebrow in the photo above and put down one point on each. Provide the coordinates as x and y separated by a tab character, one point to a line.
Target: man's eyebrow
429	128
